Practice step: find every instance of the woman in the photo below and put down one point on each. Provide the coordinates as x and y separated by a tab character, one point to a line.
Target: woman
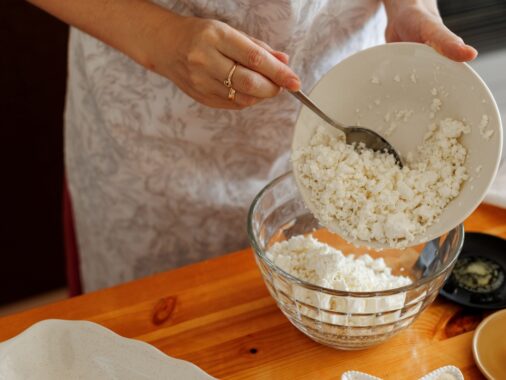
161	163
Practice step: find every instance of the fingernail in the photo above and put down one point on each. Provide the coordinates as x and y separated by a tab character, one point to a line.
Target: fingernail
292	84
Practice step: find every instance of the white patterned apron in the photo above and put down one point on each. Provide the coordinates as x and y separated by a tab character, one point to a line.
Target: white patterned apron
159	181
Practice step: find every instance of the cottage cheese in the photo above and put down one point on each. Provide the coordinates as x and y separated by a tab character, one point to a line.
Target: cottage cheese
363	195
313	261
375	80
400	116
435	107
413	76
484	132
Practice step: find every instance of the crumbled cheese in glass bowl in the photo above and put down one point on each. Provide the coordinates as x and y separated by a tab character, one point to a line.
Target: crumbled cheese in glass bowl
335	293
352	297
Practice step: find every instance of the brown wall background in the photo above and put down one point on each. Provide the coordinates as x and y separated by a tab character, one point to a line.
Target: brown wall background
33	48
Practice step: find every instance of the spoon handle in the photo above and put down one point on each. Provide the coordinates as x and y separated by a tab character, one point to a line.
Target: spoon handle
313	107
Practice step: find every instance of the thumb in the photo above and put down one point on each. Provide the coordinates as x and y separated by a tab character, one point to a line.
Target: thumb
447	43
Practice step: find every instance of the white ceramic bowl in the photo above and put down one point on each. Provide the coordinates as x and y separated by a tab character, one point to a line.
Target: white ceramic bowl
407	74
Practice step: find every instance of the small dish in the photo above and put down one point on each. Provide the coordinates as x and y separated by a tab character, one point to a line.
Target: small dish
370	89
483	248
489	346
58	349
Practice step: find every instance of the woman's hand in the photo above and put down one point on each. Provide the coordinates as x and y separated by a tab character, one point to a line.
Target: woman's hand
419	21
197	55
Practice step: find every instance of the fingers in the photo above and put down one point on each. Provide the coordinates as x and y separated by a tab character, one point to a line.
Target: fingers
215	94
253	56
283	57
244	80
447	43
203	65
457	51
391	34
241	99
251	83
214	101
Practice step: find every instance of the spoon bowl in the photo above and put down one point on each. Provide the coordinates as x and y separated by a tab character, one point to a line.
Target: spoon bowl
371	140
354	135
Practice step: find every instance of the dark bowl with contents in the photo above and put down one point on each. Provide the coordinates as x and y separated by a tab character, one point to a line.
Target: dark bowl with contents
478	279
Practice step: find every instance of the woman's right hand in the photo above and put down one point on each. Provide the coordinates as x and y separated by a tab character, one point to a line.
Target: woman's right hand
197	55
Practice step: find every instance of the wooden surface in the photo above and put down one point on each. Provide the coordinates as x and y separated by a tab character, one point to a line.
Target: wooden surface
219	315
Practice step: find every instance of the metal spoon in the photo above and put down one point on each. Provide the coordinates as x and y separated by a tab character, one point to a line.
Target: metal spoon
357	135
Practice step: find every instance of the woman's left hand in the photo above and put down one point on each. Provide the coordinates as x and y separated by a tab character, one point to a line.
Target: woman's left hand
419	21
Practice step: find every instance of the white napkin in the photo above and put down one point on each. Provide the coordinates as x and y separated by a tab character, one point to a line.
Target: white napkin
448	372
497	193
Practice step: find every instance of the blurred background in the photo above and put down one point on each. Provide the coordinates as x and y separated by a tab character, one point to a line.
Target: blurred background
32	81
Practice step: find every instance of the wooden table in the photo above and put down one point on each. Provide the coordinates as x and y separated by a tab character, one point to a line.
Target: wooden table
219	315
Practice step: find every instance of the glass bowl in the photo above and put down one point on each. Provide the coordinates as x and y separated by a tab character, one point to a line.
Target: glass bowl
342	319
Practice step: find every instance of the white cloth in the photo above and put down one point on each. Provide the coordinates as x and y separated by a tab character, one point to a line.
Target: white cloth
158	180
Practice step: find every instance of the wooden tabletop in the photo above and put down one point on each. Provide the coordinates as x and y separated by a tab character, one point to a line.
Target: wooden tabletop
219	315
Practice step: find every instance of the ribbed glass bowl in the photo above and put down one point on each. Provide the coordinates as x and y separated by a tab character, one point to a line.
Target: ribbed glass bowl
340	319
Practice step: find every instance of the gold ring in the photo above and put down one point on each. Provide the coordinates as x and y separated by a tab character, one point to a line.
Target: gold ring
231	94
228	82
